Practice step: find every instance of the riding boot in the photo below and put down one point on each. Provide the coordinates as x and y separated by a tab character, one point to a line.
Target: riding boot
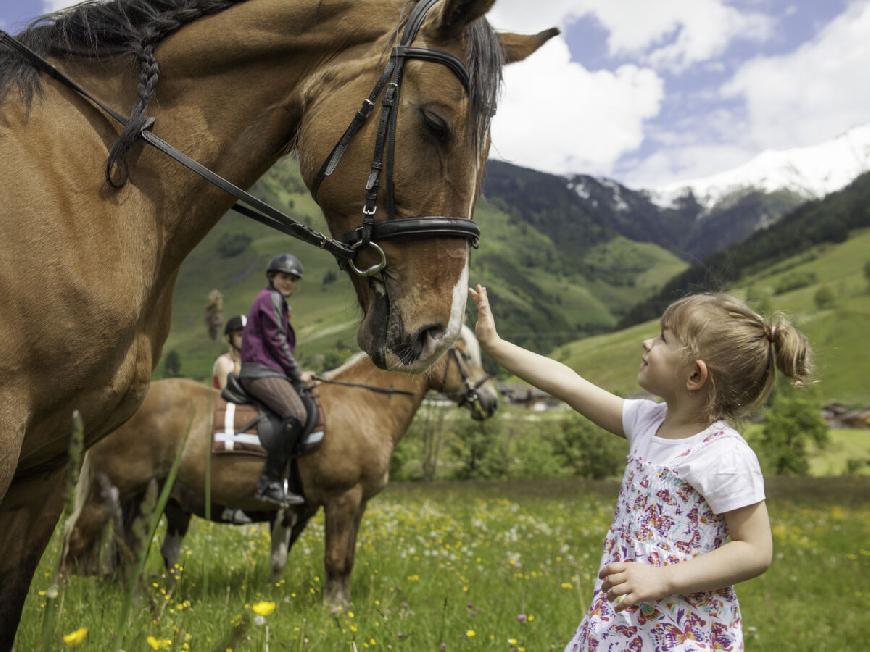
270	486
293	428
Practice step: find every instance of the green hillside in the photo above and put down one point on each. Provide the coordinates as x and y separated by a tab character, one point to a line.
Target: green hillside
836	333
544	297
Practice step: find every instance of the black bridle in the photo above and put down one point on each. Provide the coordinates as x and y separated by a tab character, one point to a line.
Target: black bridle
346	247
470	397
390	83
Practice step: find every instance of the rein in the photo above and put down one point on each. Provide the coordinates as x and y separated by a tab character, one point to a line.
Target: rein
371	388
257	210
346	247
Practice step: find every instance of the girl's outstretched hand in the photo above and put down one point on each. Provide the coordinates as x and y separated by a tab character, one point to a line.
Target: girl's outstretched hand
485	328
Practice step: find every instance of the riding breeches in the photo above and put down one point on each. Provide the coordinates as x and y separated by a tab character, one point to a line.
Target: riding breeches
278	395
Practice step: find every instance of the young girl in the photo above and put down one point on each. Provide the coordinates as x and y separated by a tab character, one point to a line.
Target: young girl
690	520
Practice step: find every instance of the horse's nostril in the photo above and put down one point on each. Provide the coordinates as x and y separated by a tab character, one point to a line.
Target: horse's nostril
433	331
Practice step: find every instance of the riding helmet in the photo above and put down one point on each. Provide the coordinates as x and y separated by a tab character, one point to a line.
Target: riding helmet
235	323
287	263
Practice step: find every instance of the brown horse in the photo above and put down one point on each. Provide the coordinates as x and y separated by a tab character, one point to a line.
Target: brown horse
351	466
87	268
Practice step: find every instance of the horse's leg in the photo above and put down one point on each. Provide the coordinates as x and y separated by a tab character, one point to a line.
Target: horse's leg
177	523
343	514
28	514
96	503
282	530
304	515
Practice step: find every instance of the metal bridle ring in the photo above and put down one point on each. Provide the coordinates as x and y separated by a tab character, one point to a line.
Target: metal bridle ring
374	269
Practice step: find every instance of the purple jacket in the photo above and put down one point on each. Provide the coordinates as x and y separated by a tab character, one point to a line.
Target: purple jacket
269	341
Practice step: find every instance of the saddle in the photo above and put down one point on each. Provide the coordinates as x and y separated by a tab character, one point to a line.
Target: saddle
240	421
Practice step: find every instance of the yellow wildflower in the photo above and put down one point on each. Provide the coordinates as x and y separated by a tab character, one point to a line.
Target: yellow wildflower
566	585
471	633
263	608
76	638
157	643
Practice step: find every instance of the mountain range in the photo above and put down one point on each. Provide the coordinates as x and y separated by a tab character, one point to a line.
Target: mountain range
693	219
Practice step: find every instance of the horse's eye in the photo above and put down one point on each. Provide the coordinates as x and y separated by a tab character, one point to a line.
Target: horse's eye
436	126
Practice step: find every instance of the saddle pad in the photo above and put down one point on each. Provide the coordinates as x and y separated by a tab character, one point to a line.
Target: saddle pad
315	424
234	429
227	433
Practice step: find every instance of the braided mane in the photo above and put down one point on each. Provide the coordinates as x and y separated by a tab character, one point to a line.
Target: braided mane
101	28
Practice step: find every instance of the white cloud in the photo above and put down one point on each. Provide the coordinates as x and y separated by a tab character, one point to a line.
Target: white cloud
557	116
669	34
54	5
670	165
814	93
802	98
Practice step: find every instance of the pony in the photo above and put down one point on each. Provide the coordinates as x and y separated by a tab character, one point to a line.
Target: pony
367	410
94	225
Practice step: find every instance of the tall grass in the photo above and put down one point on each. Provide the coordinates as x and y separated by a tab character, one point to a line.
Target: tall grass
475	566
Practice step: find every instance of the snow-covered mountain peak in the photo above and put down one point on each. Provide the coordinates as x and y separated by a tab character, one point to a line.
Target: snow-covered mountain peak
811	172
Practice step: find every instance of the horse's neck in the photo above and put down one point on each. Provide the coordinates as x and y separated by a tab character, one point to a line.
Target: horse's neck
229	95
399	408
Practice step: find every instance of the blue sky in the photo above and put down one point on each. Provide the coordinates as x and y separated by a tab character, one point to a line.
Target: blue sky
651	92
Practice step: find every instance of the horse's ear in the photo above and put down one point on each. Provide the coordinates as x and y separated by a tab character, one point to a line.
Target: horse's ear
517	47
456	14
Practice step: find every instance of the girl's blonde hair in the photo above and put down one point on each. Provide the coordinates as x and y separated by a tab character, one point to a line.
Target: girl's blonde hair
741	349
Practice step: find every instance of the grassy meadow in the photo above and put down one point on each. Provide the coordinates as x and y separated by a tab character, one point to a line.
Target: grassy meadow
464	566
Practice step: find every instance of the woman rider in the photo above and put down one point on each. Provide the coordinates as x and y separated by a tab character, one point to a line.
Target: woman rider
270	374
229	362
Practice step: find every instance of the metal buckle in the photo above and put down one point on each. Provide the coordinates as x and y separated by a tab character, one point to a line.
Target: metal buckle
374	269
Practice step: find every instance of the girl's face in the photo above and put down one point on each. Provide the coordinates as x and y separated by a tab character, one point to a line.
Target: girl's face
285	283
236	340
664	369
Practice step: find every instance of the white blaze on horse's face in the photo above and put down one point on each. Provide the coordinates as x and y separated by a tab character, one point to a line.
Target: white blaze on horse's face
436	343
472	346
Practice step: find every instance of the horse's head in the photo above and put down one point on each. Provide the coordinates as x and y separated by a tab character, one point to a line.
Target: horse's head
431	165
459	374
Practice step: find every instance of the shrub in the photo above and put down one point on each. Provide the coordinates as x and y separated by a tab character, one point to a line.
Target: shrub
533	457
172	365
586	449
824	298
329	277
854	465
232	244
792	421
479	450
794	281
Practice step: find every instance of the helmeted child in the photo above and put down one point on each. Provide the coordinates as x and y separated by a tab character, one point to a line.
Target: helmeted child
690	519
270	374
231	361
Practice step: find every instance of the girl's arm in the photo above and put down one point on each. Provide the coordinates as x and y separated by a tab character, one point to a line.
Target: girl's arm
747	555
553	377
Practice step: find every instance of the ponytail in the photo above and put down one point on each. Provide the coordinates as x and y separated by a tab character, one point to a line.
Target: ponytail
791	351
